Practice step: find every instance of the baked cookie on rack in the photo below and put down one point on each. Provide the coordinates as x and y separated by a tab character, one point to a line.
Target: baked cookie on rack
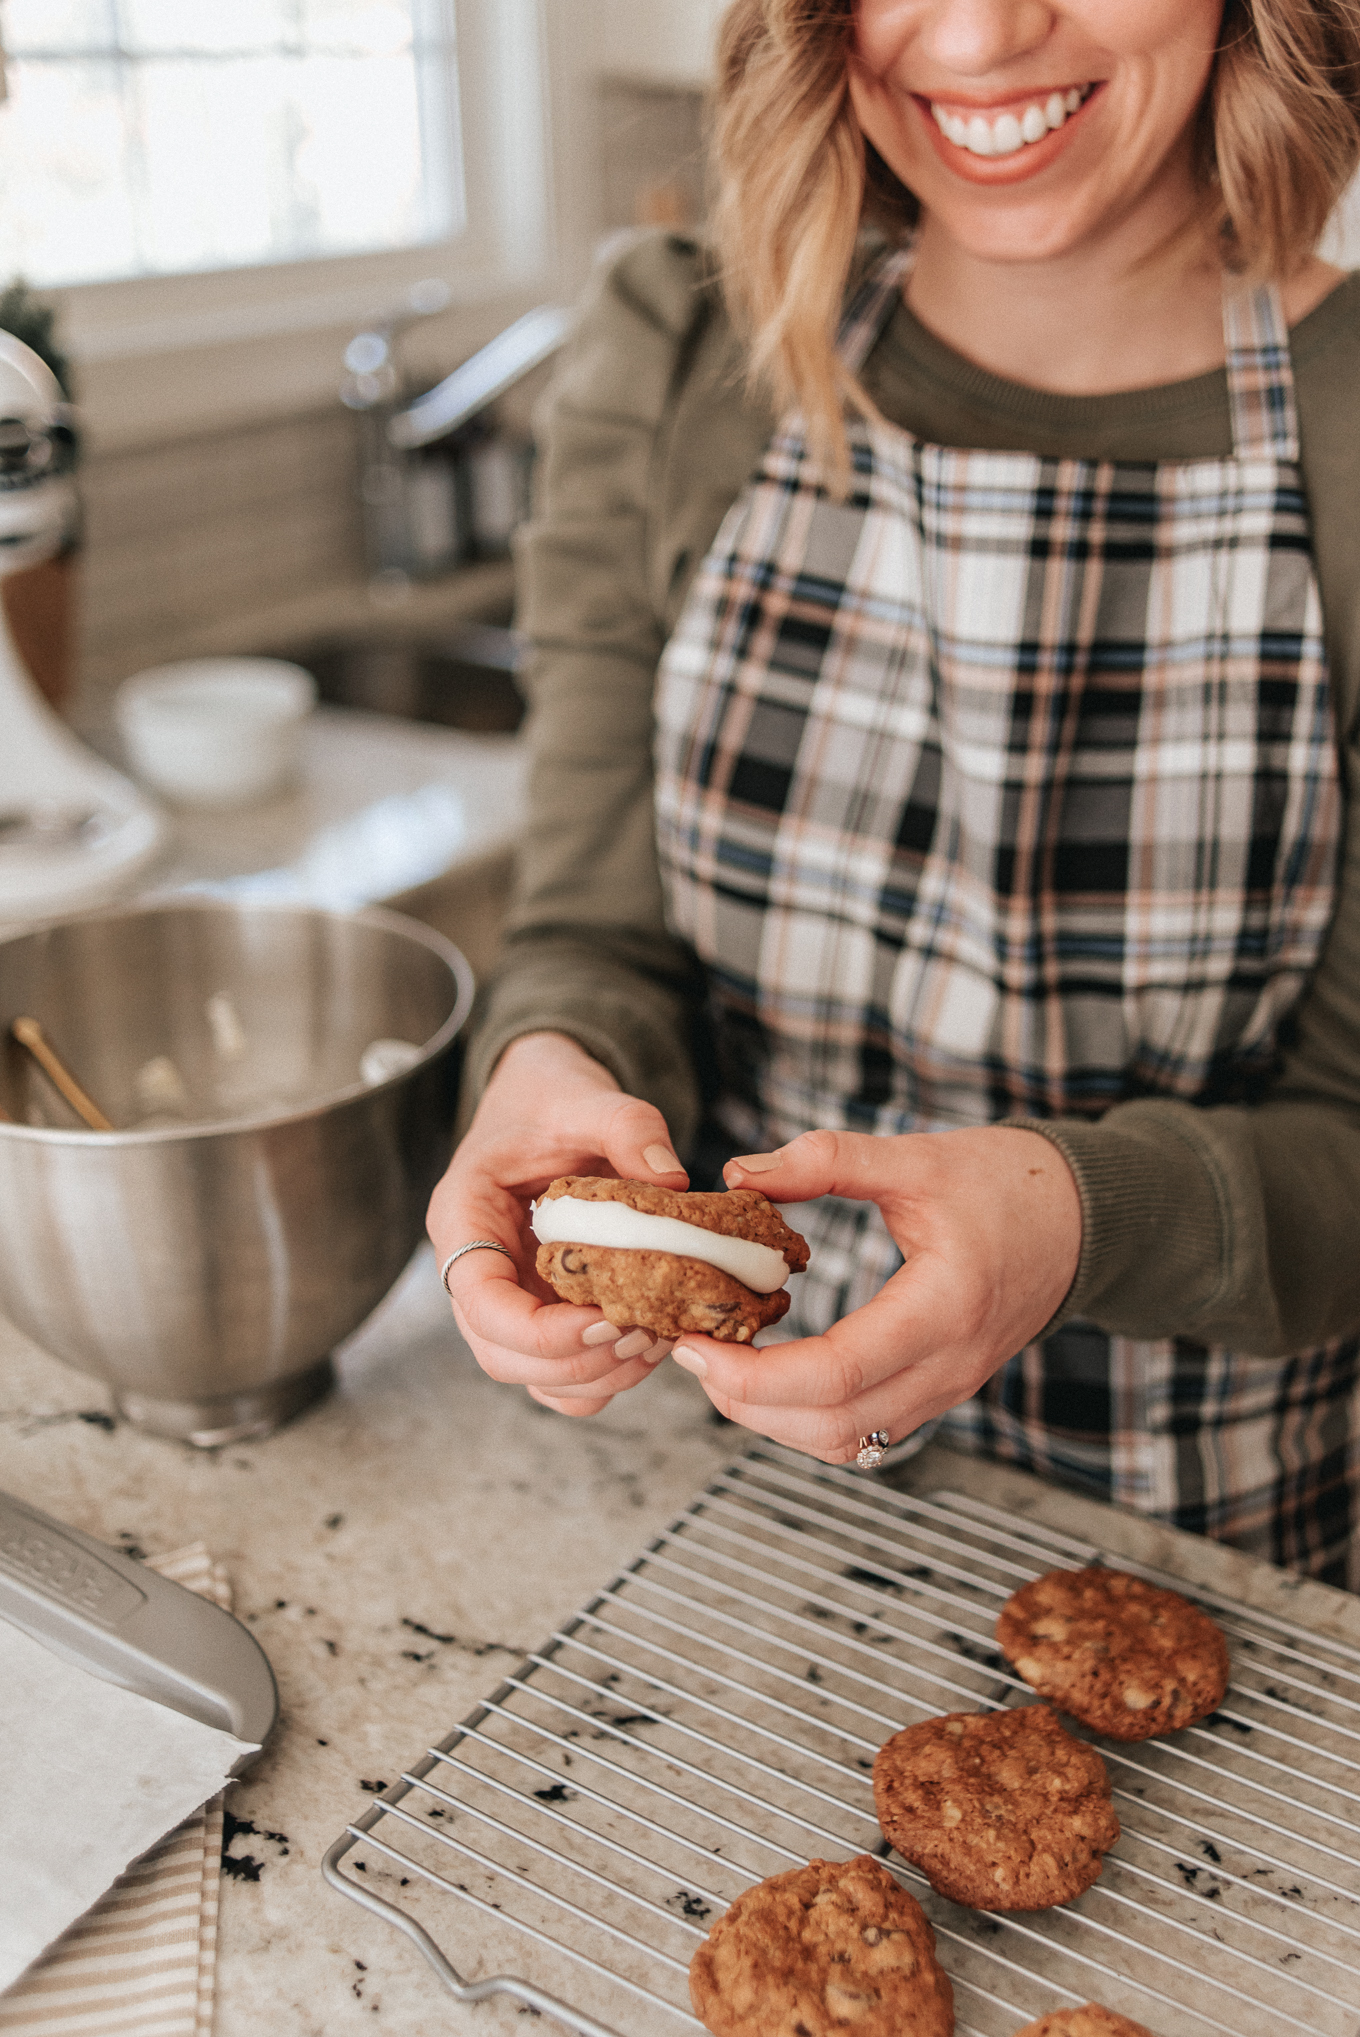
999	1810
826	1948
1088	2021
667	1260
1125	1657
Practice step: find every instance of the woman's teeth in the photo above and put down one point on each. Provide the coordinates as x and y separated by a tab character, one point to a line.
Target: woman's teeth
1008	131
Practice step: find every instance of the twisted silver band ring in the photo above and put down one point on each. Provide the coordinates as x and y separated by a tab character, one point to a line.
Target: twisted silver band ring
871	1449
476	1245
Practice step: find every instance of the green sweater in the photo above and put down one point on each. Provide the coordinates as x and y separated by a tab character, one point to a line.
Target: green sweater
1236	1225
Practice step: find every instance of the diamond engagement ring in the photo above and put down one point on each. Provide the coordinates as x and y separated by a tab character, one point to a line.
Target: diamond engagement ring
477	1245
871	1449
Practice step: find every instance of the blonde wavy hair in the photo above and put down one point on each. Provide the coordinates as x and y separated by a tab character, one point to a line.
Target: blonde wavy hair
1278	140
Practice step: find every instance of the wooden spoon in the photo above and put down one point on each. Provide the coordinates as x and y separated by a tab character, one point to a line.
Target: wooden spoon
30	1035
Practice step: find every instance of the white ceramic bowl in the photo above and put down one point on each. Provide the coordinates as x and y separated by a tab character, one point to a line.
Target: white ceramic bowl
216	731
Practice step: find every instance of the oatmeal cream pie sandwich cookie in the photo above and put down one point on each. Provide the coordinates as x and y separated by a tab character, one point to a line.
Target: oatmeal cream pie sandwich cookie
999	1810
832	1947
1125	1657
667	1261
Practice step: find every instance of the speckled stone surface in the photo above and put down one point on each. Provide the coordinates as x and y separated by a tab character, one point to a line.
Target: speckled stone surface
395	1550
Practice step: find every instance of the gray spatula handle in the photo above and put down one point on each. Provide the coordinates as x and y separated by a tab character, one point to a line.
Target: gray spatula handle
105	1611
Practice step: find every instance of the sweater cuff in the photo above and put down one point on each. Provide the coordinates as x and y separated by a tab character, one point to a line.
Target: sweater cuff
1155	1223
624	1032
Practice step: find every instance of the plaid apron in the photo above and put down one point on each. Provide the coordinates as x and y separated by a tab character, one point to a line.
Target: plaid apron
1007	786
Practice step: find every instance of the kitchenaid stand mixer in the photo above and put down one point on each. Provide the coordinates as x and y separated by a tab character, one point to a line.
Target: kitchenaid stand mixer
74	832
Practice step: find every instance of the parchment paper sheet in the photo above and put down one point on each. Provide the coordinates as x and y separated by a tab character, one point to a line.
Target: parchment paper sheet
90	1777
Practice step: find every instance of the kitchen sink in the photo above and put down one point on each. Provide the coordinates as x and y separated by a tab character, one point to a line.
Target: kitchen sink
461	678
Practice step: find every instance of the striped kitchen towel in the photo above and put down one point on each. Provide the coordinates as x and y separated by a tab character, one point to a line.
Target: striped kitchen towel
143	1961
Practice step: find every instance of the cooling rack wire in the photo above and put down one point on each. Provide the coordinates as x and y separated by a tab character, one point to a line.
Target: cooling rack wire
712	1716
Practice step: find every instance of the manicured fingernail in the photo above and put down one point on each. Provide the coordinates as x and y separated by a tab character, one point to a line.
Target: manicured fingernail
601	1333
660	1349
691	1361
758	1163
634	1344
661	1160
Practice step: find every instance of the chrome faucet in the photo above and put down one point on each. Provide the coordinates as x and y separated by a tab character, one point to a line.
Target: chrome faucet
431	488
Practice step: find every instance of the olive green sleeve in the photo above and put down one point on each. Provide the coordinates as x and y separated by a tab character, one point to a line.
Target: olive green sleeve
587	952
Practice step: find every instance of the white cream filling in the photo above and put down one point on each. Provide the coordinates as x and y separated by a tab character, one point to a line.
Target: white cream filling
1009	131
569	1220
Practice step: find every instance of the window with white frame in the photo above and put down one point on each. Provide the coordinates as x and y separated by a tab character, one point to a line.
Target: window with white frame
155	138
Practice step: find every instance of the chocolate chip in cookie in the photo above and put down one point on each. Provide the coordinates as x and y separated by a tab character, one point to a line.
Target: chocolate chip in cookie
1125	1657
999	1810
824	1950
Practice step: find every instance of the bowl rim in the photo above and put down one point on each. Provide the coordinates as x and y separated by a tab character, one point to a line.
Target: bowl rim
171	683
377	916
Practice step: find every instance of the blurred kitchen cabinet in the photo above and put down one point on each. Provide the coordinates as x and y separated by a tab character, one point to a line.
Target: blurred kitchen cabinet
659	39
652	153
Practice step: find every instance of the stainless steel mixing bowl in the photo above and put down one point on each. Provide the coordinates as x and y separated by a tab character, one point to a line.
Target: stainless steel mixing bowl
259	1197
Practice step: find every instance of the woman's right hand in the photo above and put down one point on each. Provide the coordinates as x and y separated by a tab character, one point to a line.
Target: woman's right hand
549	1109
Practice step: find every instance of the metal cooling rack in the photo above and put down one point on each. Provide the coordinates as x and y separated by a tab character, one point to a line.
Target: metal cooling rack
712	1717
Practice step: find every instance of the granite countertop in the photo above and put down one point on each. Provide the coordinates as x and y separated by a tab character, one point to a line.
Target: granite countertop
395	1551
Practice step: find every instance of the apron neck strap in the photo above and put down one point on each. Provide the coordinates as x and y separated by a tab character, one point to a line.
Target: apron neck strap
1260	373
867	314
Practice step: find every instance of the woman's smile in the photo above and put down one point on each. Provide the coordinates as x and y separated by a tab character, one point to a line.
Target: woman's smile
1029	128
996	141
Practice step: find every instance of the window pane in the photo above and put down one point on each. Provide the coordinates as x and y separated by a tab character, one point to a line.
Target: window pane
65	208
57	25
248	160
337	137
163	27
364	194
377	26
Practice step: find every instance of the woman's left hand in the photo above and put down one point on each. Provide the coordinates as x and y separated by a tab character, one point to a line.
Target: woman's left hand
989	1225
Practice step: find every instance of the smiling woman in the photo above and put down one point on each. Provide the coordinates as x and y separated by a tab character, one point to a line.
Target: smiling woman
1236	120
945	699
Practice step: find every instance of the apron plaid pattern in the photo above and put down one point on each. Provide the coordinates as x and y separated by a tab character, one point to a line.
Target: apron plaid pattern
1008	786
